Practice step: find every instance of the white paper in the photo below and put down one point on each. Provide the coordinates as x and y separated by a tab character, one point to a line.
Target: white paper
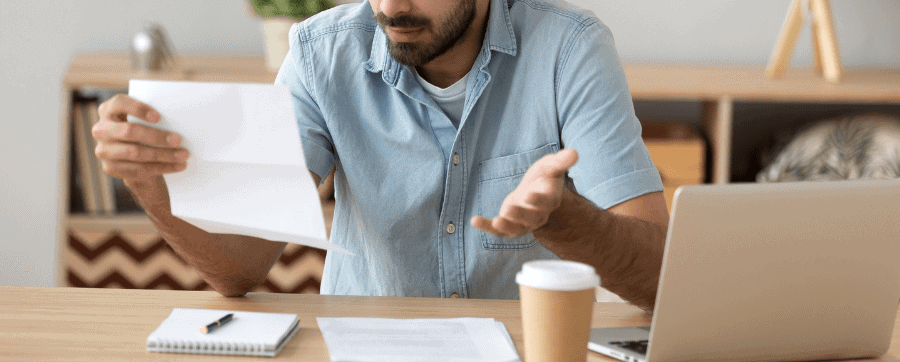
246	174
408	340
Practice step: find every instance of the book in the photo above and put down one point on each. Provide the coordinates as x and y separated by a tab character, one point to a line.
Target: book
105	182
76	199
85	160
248	333
125	202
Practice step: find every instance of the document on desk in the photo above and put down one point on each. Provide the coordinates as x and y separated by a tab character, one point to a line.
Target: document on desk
408	340
246	174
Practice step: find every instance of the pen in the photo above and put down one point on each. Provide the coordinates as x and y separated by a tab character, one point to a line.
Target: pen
217	324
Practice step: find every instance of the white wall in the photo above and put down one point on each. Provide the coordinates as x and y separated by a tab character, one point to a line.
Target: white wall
38	38
737	32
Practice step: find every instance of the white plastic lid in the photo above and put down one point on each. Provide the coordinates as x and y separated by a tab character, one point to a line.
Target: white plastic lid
558	275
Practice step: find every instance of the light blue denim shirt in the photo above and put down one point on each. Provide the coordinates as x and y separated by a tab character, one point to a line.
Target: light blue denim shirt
407	181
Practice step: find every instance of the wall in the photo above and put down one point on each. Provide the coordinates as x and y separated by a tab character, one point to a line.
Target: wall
38	38
742	32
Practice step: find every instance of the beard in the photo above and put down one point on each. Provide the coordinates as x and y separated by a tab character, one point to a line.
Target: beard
454	28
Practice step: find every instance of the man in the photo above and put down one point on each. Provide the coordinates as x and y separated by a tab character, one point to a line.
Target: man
443	121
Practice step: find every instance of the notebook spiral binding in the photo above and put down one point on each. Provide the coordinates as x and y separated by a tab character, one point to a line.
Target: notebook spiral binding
167	345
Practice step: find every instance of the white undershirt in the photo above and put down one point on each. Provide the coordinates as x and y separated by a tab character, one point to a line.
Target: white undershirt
451	99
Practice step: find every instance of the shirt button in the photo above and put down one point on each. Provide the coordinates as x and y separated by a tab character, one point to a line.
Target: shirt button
454	295
455	159
451	228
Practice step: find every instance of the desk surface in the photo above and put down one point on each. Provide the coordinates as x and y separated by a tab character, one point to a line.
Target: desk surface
79	324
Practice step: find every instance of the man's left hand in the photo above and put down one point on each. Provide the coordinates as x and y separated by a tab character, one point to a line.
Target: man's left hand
529	206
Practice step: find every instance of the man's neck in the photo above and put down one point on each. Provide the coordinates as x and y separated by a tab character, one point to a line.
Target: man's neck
453	65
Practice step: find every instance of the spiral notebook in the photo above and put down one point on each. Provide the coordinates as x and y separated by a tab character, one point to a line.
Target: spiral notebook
248	333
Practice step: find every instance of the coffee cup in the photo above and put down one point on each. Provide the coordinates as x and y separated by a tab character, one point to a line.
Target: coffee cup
557	299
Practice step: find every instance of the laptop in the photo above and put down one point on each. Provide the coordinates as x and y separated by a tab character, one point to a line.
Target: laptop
772	272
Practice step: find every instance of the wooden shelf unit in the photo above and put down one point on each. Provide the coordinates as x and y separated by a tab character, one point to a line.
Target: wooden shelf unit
719	88
716	88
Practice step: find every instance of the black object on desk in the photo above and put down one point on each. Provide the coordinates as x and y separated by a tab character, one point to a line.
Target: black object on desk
217	324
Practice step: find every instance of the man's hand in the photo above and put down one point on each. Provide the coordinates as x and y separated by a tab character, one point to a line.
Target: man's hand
529	206
133	151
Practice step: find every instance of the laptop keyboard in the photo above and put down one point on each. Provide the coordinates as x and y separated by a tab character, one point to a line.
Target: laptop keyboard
637	346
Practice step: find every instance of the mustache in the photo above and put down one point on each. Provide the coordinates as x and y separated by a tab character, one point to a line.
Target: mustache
405	21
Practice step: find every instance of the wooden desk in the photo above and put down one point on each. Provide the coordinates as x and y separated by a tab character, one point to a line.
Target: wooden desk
80	324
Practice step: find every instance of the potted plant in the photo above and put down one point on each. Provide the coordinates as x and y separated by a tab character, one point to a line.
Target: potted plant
278	16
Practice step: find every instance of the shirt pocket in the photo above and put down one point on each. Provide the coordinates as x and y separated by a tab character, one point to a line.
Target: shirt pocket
499	177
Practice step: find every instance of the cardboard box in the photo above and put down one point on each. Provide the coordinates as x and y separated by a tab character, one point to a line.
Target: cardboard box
678	153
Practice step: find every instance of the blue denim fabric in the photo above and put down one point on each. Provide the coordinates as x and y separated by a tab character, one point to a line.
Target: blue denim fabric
547	77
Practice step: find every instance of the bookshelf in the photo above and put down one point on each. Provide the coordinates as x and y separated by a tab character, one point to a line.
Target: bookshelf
717	89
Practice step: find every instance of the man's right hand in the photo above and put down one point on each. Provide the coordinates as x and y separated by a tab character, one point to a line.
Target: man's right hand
133	151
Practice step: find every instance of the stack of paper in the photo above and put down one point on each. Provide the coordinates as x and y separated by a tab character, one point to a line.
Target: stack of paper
408	340
247	174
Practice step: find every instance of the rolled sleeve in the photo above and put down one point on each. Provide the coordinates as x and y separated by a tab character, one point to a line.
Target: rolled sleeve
318	160
624	188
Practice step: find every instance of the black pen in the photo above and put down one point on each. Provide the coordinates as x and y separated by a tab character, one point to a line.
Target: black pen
217	324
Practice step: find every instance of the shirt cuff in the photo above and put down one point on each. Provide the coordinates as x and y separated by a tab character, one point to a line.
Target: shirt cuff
625	187
318	160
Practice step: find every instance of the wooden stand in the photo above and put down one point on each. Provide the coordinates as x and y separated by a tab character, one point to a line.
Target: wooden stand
826	57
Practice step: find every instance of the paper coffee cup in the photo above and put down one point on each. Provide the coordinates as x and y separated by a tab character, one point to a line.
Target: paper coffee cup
557	299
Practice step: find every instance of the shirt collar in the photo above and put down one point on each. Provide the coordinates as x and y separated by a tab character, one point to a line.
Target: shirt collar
499	36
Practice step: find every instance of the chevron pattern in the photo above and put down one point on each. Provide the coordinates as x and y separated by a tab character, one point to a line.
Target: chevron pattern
143	260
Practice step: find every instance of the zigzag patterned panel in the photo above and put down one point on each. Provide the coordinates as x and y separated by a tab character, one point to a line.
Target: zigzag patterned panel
113	259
